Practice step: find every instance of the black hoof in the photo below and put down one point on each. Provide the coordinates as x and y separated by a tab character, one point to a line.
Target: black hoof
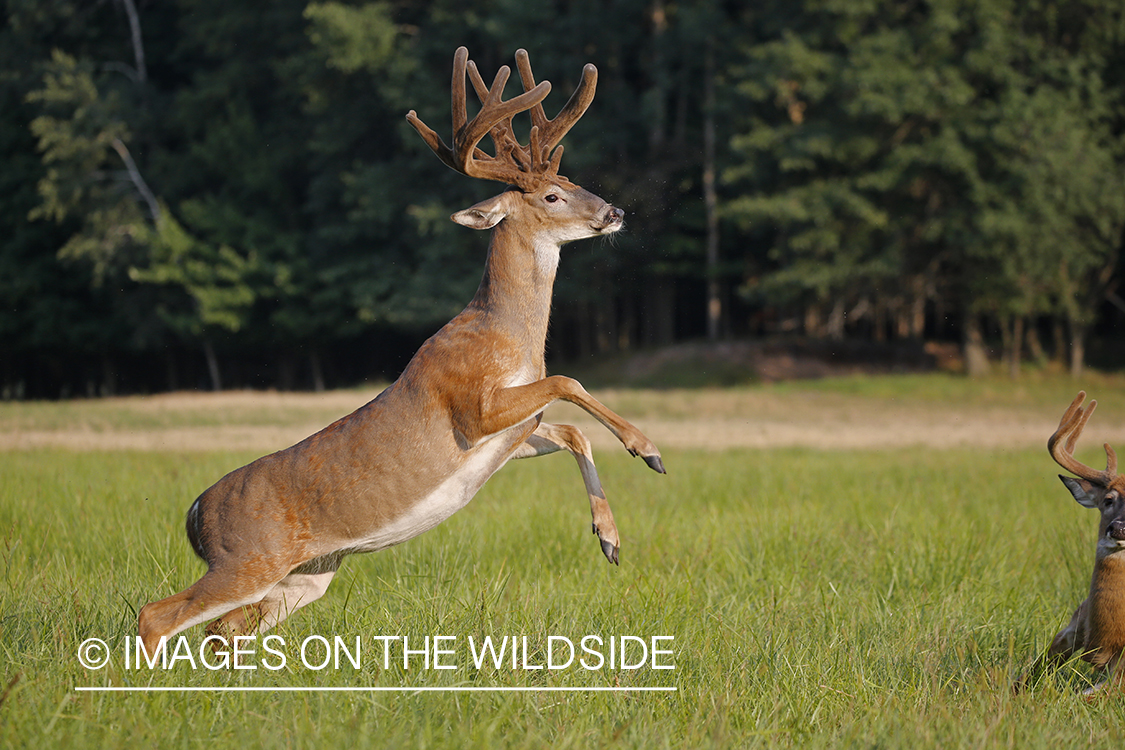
655	464
610	551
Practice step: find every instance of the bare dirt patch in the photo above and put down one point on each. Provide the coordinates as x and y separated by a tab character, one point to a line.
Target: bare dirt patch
235	420
766	420
703	419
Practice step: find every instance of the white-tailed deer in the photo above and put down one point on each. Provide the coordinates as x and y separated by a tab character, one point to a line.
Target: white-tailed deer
273	533
1097	629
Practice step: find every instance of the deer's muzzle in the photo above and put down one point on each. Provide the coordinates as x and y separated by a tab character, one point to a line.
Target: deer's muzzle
612	220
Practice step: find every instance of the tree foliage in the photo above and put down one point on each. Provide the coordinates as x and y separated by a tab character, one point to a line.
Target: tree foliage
230	182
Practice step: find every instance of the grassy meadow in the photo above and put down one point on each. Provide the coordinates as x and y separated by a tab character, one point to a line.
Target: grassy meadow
817	596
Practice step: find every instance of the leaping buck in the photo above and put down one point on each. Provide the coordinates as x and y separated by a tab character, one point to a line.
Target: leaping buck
1097	629
273	533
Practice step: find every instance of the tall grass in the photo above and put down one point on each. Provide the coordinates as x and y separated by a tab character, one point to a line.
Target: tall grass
817	599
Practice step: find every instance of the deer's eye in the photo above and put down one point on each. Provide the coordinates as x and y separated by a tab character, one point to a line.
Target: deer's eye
551	198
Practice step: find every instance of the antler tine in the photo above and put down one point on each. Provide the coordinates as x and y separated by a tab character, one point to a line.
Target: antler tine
432	139
523	166
1078	424
466	139
523	64
1073	421
458	107
575	107
503	137
494	117
459	104
551	132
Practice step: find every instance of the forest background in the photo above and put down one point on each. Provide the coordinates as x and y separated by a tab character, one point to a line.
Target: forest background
204	194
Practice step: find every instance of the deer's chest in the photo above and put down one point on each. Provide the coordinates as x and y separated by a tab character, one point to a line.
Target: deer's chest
1106	631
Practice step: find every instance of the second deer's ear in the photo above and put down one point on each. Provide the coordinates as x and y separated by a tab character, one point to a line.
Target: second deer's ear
1082	490
484	215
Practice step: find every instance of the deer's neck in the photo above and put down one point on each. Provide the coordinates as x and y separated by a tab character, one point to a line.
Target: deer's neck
519	278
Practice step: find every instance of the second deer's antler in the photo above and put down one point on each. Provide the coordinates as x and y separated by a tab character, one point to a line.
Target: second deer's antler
523	166
1070	427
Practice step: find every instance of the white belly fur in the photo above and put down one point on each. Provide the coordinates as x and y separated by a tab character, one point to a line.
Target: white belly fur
449	497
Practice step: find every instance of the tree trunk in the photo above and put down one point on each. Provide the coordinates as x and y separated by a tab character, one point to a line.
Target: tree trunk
836	321
976	355
1058	341
659	76
1034	345
286	373
918	309
605	324
212	365
660	312
902	318
171	373
1015	353
135	37
1077	349
1005	341
710	199
584	326
109	377
812	323
138	181
317	371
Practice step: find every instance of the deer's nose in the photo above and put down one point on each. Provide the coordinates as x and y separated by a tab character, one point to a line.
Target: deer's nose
1116	529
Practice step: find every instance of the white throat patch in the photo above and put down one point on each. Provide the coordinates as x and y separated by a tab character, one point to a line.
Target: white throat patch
547	256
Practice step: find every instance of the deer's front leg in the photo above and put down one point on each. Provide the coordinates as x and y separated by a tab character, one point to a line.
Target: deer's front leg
1115	678
503	408
549	438
1067	643
1108	680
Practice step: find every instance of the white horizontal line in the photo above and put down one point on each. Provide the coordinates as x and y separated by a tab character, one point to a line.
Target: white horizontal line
322	689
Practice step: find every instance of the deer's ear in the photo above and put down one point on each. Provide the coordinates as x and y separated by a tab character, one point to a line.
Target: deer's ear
484	215
1082	490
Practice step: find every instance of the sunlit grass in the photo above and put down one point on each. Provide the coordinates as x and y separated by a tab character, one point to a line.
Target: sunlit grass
1035	392
1033	389
817	599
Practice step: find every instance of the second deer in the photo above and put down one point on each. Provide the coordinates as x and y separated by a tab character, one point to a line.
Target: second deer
274	532
1096	631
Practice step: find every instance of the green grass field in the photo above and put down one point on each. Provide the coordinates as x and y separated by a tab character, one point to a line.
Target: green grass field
817	597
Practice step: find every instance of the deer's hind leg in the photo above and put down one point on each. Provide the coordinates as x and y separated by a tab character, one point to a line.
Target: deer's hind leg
301	586
221	590
550	438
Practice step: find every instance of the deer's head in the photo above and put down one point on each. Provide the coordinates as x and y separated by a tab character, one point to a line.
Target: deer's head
539	198
1101	490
